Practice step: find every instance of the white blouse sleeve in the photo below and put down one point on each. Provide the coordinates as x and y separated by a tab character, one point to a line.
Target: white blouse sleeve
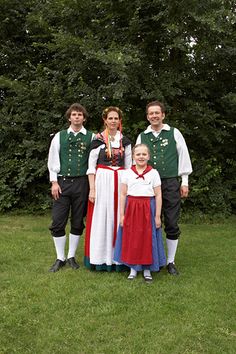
54	165
124	176
128	157
156	179
92	161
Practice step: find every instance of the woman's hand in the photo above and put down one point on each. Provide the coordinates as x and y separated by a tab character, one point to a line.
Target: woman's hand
92	195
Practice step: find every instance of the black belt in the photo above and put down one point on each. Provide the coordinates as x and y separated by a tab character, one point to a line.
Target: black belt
69	177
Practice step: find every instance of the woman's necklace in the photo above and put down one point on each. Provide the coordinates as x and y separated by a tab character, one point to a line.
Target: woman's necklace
112	137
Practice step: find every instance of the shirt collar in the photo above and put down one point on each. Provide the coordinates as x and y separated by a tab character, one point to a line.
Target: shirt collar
82	130
150	130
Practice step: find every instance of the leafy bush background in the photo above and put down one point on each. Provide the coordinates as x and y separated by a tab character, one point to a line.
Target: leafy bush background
54	53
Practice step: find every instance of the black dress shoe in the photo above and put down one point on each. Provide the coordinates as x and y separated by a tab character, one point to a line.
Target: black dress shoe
72	263
171	268
57	265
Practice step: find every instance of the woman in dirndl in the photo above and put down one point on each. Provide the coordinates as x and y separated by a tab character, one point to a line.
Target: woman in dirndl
110	155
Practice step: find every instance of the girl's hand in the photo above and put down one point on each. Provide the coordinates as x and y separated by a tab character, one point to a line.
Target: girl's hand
122	220
158	222
92	195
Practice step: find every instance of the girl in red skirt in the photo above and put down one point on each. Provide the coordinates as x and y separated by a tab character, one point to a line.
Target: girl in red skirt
139	243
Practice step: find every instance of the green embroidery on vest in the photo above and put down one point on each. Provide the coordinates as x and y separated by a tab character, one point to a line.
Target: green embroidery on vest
74	151
164	156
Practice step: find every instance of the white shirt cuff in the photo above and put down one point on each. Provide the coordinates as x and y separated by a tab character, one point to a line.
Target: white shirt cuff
184	180
53	176
91	171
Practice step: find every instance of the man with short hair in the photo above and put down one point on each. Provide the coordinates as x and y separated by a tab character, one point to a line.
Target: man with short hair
170	157
67	164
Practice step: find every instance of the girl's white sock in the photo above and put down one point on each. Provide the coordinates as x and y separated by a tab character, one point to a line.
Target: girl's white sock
146	273
133	272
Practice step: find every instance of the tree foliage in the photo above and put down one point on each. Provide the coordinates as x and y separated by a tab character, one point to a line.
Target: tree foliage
125	53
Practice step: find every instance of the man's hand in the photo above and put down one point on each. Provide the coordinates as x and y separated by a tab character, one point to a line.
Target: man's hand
184	191
55	190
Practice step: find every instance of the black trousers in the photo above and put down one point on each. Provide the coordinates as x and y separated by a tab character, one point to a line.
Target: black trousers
72	202
171	202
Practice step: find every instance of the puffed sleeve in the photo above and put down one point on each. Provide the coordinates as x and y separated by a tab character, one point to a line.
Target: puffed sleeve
54	165
124	176
156	178
92	161
128	157
184	166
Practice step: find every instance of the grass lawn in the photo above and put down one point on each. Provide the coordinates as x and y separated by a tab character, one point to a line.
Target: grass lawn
89	312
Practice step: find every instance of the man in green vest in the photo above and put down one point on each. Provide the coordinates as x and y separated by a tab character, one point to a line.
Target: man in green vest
67	165
170	157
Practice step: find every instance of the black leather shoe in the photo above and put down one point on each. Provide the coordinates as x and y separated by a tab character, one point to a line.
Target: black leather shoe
72	263
57	265
171	268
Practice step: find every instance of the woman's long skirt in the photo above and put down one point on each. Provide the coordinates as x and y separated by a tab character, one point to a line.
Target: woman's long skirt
102	221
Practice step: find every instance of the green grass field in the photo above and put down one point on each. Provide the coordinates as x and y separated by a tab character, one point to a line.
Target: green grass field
88	312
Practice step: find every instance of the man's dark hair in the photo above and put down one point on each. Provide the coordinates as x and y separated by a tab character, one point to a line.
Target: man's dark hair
156	103
76	107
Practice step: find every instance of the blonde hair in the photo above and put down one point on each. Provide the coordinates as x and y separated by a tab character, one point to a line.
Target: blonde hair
140	145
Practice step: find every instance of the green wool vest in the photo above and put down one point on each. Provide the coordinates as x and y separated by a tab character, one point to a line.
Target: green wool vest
74	151
164	156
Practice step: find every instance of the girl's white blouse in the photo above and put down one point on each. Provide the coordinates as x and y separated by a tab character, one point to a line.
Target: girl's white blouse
139	186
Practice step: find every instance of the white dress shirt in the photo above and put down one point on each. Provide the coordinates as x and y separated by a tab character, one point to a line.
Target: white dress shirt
54	165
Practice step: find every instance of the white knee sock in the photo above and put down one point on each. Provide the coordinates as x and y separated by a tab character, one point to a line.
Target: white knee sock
146	273
133	272
60	243
73	244
171	250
